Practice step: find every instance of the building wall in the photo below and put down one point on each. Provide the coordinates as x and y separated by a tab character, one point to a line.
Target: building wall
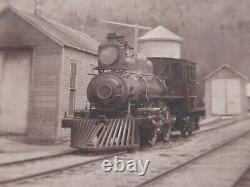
15	68
84	63
44	91
44	79
248	96
208	97
155	48
228	75
248	89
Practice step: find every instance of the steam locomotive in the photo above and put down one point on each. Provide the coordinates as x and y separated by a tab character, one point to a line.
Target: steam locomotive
134	100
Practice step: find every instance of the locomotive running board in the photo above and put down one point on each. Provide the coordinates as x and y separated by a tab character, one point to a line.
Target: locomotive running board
116	134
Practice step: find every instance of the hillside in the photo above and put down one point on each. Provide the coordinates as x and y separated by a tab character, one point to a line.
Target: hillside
215	32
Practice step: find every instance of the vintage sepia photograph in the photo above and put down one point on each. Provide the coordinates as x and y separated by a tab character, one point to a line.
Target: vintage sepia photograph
124	93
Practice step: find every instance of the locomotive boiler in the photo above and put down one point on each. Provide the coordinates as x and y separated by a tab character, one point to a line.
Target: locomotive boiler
133	101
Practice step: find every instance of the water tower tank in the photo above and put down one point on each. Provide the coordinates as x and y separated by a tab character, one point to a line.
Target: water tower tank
160	42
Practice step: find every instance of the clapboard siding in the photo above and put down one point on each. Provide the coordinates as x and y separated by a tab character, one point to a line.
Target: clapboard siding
44	93
84	62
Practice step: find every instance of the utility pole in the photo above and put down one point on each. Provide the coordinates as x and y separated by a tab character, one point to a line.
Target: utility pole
136	27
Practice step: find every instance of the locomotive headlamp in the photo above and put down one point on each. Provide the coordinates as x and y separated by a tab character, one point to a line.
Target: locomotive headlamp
108	55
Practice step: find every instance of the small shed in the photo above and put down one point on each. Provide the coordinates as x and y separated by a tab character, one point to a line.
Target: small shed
225	92
160	42
44	68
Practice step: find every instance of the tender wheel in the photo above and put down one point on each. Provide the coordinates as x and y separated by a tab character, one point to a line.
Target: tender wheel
186	132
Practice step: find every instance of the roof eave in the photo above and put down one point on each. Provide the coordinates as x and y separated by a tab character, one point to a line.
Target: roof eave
80	49
228	67
160	39
35	25
47	33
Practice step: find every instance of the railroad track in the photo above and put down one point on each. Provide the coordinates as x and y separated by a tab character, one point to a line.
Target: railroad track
243	180
222	124
225	123
74	165
23	161
24	177
175	169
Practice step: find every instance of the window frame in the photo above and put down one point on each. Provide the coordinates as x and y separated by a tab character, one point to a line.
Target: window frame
72	87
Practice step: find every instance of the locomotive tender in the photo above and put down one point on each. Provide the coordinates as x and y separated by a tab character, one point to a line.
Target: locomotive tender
134	101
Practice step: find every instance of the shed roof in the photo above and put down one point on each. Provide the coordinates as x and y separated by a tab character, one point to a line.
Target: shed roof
63	35
225	66
160	33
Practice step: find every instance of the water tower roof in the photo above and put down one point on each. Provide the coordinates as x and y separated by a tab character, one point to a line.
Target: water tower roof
160	33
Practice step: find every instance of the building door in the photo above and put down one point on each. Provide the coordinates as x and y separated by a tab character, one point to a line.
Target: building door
226	98
233	97
14	89
218	97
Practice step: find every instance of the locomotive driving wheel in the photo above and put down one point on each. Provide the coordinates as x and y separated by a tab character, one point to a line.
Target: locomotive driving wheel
186	132
169	120
167	132
153	139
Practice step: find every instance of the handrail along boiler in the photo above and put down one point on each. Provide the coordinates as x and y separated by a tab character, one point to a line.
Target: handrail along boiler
134	101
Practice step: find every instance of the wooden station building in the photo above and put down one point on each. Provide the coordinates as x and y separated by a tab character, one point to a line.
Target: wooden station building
44	69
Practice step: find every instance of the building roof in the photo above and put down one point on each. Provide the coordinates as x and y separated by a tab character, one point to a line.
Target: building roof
63	35
160	33
225	66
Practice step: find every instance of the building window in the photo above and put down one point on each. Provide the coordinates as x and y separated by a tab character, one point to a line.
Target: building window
191	73
71	102
188	73
72	93
72	75
177	71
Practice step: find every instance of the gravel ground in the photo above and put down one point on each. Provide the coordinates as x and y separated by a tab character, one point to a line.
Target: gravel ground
162	157
30	168
16	147
219	168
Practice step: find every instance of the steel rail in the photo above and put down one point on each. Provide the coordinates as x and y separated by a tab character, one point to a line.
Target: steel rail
23	161
230	123
52	171
227	124
240	178
175	169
